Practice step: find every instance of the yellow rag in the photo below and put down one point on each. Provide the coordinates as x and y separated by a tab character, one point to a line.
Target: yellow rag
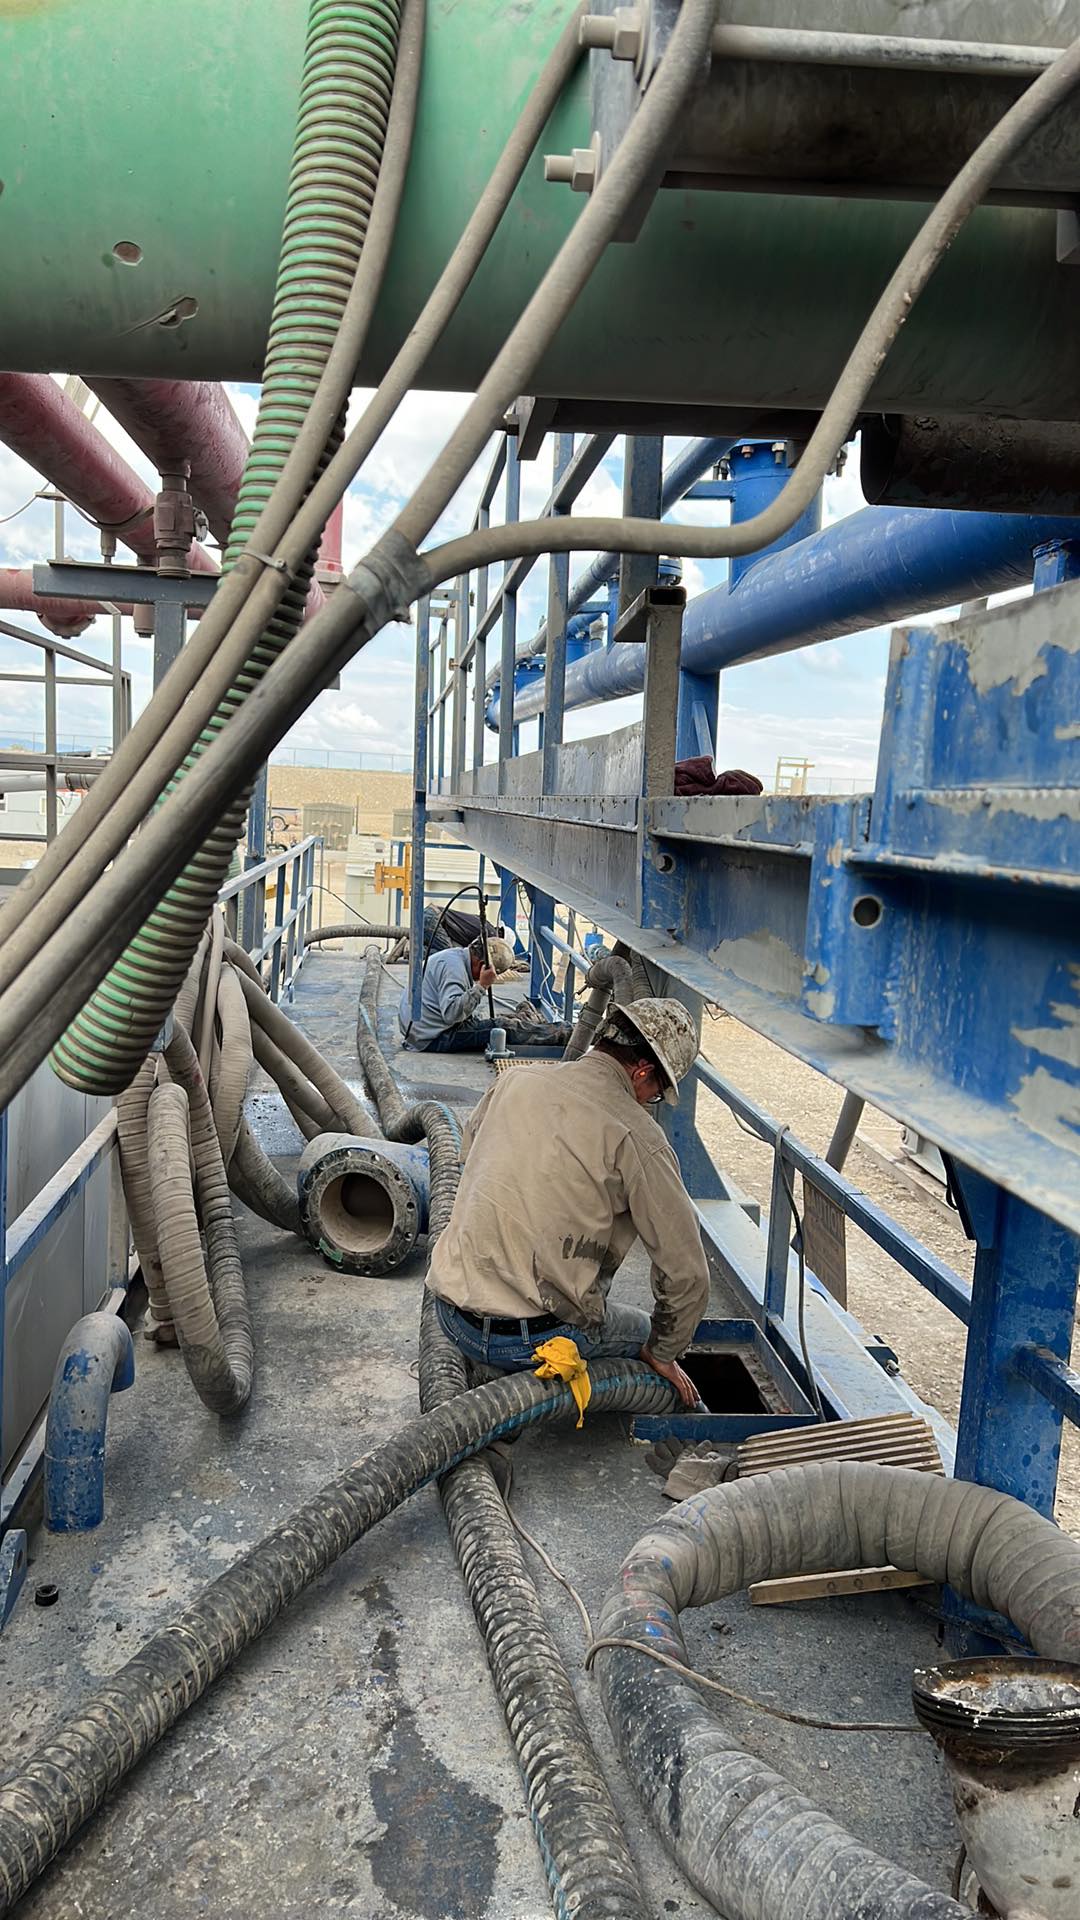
560	1360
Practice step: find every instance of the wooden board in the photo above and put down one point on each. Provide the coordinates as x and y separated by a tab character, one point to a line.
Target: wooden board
826	1586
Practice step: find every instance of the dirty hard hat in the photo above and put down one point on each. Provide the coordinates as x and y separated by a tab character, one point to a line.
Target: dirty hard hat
669	1031
501	955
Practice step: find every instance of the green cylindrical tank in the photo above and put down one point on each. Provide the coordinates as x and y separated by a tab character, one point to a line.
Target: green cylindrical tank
146	154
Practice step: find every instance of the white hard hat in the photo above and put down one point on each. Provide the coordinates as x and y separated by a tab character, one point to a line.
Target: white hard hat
668	1029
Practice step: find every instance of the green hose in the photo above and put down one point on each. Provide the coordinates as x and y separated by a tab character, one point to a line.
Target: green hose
349	62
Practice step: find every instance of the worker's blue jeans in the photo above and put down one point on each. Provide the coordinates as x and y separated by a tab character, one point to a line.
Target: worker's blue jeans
473	1036
621	1335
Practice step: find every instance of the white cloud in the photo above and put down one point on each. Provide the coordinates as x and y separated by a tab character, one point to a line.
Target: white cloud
826	658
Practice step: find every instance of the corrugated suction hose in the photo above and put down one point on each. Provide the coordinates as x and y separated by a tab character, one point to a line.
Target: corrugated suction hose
756	1848
207	1298
589	1866
345	92
59	1787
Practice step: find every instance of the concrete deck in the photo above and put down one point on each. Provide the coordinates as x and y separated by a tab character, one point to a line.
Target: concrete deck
355	1760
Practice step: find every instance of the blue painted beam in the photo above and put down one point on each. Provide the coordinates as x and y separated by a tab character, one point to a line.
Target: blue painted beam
879	565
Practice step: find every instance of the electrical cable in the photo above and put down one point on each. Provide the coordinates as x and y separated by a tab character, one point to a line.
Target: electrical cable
545	1560
756	1705
334	636
4	518
247	597
574	533
746	1699
471	886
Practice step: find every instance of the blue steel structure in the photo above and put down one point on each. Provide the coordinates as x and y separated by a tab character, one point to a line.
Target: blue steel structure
918	943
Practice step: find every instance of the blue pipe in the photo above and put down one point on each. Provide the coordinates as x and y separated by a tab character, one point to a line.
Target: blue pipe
692	462
879	565
97	1359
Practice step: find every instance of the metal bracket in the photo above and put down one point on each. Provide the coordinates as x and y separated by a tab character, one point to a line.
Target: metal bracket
12	1571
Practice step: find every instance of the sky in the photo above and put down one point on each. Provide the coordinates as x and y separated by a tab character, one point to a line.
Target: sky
823	703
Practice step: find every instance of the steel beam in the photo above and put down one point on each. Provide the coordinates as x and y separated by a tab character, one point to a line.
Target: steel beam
124	279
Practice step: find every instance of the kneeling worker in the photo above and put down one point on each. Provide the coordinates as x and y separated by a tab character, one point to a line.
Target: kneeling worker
453	986
564	1168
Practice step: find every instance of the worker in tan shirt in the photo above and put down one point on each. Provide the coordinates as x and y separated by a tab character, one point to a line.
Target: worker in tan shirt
563	1169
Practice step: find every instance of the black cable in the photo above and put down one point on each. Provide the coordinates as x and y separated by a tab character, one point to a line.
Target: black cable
471	886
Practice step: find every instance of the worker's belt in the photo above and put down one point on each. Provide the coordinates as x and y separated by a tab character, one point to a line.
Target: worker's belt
536	1323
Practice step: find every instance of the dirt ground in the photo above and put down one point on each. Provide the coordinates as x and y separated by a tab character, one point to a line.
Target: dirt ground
928	1340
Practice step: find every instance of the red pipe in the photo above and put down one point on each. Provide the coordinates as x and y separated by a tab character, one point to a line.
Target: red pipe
190	420
194	420
46	429
64	618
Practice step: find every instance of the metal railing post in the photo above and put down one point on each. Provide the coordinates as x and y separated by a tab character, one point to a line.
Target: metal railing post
643	479
50	744
461	684
253	911
558	593
508	648
779	1239
419	810
483	519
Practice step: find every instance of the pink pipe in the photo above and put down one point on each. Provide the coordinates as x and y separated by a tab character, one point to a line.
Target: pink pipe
190	420
194	420
46	429
64	618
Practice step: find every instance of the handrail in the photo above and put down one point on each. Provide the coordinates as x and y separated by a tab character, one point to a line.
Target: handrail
932	1273
276	860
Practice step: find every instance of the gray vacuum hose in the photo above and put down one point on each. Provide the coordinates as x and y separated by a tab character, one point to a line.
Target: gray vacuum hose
207	1299
264	1190
355	930
608	978
133	1139
756	1848
426	1120
589	1866
57	1788
347	1111
308	1108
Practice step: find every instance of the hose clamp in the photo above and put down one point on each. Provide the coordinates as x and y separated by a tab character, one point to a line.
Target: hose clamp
268	560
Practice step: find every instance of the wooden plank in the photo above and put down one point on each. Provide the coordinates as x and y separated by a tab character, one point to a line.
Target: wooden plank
826	1586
